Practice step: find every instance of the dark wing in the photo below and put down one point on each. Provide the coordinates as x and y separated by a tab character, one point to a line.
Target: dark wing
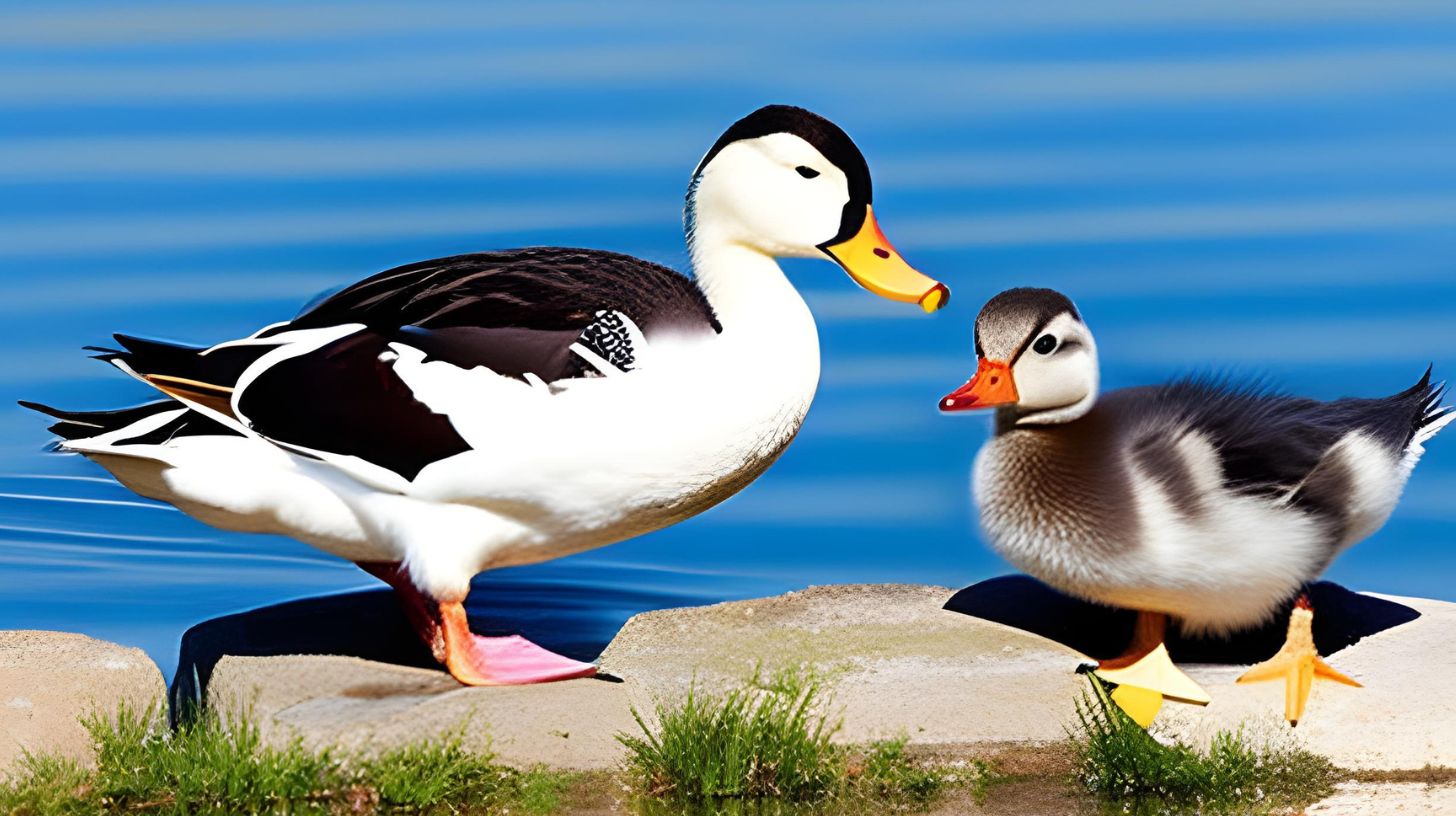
1267	442
516	311
345	398
342	398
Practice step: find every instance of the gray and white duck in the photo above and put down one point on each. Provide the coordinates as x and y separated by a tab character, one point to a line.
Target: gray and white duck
1197	500
503	408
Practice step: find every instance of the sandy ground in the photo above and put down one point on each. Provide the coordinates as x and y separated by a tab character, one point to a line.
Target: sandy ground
1364	799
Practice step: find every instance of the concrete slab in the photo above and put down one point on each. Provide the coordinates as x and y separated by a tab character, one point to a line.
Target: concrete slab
1407	799
361	705
899	664
1403	718
49	680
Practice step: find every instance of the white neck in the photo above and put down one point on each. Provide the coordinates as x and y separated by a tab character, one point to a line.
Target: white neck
750	293
1057	416
769	344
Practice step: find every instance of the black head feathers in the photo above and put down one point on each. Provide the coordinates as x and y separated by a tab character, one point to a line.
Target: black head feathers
1008	317
826	137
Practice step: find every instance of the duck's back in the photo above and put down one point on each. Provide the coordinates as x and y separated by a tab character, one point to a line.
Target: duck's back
487	302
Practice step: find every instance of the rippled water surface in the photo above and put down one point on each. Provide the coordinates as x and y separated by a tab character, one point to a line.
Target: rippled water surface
1263	188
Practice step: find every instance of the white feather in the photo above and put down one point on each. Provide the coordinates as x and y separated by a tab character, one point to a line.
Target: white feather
574	464
1417	446
553	469
234	482
595	360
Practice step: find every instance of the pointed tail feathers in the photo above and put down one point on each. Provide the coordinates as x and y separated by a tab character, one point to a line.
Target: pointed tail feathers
197	376
1433	415
85	424
1428	418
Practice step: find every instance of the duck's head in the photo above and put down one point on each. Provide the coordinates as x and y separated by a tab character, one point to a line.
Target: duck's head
788	183
1036	359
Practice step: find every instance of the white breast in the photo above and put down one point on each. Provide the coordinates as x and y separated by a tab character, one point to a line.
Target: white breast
698	413
1221	569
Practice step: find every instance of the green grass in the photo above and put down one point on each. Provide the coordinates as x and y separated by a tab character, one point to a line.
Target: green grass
886	772
1124	766
209	765
762	739
769	742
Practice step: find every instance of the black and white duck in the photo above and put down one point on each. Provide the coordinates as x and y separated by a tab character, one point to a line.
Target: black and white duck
502	408
1197	500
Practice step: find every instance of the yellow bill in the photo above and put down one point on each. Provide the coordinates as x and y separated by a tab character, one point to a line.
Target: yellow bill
873	263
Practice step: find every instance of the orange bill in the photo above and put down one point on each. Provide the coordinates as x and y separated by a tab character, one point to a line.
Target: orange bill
991	386
873	263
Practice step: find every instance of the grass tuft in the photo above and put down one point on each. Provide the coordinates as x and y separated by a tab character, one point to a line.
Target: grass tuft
765	738
887	773
770	741
46	786
210	766
1121	763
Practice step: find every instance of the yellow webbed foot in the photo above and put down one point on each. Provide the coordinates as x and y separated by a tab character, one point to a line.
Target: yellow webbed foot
1141	704
1298	663
1142	686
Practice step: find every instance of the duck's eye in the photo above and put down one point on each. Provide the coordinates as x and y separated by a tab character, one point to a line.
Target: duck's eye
806	172
1044	344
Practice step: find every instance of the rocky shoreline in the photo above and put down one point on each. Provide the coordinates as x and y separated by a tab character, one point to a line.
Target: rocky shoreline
898	662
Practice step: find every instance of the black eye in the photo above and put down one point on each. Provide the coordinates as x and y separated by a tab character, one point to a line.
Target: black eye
806	172
1044	344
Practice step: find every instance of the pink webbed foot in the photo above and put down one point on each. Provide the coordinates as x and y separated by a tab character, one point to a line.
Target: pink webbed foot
501	661
473	659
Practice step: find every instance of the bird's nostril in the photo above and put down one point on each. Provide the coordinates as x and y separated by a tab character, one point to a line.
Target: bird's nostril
882	252
995	380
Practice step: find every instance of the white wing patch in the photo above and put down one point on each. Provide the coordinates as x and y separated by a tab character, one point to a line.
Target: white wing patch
1377	480
1223	569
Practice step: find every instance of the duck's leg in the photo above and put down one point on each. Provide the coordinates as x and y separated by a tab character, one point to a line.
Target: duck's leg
1297	663
1148	632
473	659
1144	673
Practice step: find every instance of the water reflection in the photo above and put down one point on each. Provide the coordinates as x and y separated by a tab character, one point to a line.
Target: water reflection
1247	186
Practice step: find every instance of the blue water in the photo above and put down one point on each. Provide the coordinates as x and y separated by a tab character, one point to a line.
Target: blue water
1264	188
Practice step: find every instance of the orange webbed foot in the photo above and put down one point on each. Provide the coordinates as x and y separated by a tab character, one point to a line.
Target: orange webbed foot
1298	663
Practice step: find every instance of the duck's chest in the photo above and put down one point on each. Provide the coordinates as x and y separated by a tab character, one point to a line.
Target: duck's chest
1058	508
725	434
694	430
724	470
